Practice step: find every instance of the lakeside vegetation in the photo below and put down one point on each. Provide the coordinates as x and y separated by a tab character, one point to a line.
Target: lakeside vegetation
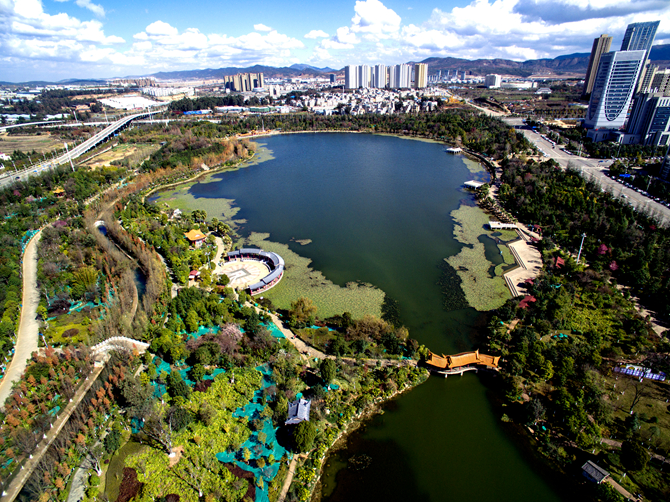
202	368
561	349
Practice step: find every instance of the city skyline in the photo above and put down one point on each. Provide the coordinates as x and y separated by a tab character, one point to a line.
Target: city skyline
56	39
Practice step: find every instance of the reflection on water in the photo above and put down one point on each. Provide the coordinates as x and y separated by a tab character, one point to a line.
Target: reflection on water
377	209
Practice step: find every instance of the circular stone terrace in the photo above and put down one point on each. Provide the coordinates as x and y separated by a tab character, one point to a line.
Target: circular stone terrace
253	269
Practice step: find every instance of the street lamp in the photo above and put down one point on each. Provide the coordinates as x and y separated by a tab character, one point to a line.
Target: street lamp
580	247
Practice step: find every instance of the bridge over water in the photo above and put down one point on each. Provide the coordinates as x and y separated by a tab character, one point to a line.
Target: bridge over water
458	364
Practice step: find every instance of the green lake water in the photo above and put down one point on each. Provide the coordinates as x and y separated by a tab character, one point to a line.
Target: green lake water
377	210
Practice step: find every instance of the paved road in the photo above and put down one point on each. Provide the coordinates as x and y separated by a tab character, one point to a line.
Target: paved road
26	339
592	168
77	150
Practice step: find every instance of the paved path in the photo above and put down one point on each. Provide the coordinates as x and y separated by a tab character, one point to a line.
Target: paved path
26	339
16	485
289	478
80	481
530	265
305	350
626	494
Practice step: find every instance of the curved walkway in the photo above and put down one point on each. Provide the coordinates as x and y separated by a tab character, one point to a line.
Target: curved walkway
28	332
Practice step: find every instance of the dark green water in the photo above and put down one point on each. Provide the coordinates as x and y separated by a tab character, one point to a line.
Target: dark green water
377	209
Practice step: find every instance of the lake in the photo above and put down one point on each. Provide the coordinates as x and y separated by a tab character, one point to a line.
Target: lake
377	209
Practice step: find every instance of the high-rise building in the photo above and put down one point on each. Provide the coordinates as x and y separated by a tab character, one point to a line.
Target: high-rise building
493	81
351	77
648	78
661	82
332	78
640	37
601	45
400	76
381	76
649	121
364	76
243	82
612	94
420	75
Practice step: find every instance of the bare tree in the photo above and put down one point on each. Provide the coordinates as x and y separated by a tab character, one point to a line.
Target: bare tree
640	390
159	428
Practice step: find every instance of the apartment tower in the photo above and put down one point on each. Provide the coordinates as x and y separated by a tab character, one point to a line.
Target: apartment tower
601	45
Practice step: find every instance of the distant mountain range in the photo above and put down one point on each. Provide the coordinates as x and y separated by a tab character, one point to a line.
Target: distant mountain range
569	64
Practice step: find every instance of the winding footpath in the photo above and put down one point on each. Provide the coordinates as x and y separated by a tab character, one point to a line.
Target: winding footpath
27	336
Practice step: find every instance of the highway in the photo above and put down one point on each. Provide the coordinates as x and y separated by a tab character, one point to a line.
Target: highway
78	150
597	169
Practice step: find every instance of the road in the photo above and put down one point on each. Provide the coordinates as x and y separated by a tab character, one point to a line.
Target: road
78	150
28	332
597	169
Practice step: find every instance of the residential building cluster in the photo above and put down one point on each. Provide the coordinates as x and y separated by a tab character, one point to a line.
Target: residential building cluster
402	76
371	100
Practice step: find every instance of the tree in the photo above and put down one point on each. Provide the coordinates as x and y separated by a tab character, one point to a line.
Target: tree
192	322
304	436
112	441
176	385
302	312
633	456
179	417
328	370
197	372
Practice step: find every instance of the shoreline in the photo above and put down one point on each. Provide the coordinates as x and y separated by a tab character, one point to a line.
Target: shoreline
354	424
473	156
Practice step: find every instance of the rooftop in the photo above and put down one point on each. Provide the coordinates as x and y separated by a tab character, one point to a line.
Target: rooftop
298	411
194	235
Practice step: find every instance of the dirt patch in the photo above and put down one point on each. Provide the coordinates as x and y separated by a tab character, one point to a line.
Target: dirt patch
27	143
178	452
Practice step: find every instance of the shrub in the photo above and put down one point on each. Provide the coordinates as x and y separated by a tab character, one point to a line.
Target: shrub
304	436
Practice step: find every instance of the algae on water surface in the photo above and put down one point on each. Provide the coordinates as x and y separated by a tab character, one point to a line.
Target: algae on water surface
301	280
481	291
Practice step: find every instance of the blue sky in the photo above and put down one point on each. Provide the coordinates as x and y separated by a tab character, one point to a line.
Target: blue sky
57	39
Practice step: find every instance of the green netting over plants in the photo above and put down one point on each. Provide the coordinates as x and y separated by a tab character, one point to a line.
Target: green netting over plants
256	448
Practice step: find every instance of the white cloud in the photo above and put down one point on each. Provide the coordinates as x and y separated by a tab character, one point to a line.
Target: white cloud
317	34
96	9
35	37
159	29
512	29
374	17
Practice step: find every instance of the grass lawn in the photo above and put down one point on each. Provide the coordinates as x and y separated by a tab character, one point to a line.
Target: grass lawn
133	152
73	320
114	474
653	410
